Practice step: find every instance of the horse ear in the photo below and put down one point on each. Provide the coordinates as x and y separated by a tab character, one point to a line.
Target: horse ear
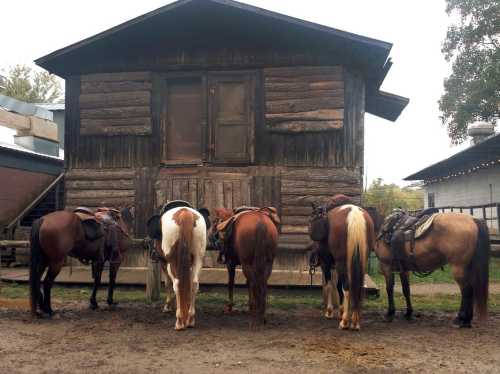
154	227
206	215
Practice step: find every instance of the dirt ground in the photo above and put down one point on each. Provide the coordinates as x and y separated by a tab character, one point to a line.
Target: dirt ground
139	338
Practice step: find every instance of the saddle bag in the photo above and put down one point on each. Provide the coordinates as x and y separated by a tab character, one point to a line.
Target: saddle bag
318	228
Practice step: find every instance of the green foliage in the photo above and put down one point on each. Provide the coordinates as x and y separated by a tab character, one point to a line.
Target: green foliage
386	197
472	91
25	84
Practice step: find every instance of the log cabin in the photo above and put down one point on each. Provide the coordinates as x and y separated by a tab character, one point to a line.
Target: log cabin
222	104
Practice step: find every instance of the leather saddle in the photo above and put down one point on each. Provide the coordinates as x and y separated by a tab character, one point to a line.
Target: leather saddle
400	228
91	226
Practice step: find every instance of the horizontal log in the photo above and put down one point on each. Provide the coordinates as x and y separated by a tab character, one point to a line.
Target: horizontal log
319	191
115	99
305	126
309	78
294	210
108	87
117	184
304	200
114	77
295	220
99	174
116	130
121	112
304	105
139	121
15	243
98	194
303	86
302	70
313	115
284	95
100	202
289	229
327	174
292	185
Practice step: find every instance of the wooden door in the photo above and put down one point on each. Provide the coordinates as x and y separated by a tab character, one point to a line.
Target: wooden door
183	120
231	105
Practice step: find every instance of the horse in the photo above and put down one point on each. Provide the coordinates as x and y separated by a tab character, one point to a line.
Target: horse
154	229
252	244
455	239
349	236
60	234
183	244
333	296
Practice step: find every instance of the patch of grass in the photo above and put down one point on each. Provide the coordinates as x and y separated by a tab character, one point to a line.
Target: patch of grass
439	276
280	299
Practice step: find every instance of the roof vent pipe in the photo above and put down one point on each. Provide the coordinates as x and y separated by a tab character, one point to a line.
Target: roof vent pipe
479	131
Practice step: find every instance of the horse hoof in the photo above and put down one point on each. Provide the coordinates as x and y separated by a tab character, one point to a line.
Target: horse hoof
356	328
389	317
167	309
179	326
93	306
191	322
409	317
329	314
343	325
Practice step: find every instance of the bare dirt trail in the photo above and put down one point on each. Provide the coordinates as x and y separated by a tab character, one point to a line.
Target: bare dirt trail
138	338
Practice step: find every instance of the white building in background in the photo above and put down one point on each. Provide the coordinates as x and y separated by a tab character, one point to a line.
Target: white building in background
467	179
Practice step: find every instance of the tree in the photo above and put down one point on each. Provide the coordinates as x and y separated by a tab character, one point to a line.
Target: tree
472	91
25	84
386	197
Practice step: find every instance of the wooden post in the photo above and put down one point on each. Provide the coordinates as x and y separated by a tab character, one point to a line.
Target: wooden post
153	278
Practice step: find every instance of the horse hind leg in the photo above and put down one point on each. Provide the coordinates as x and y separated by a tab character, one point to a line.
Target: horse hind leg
405	285
466	311
344	322
197	265
170	295
52	272
231	271
97	267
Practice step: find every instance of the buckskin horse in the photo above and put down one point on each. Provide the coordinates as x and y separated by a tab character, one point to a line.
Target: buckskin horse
348	234
251	242
452	238
63	233
183	244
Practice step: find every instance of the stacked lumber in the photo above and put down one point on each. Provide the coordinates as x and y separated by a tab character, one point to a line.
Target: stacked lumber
304	99
115	104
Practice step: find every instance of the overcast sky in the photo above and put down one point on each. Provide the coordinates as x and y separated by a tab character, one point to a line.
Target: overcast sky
415	28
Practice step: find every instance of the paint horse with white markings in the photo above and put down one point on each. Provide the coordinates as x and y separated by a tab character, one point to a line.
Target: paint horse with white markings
183	243
346	231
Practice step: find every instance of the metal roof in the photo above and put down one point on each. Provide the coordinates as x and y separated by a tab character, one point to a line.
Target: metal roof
484	154
53	107
27	109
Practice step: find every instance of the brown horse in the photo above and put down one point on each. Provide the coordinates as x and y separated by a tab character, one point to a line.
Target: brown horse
253	245
350	238
60	234
455	239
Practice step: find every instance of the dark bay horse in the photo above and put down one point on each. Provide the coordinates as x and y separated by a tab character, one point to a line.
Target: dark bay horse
253	245
60	234
350	238
455	239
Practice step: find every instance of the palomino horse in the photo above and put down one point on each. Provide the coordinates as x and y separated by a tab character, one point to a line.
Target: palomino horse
183	245
62	233
350	236
455	239
252	244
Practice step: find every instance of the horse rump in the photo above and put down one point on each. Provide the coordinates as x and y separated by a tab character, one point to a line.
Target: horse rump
36	258
479	269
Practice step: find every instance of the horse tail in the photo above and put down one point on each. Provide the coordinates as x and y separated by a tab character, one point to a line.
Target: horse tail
357	253
35	264
479	269
262	253
186	223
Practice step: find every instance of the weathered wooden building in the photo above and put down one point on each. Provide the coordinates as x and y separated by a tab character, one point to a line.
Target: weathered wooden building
222	104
